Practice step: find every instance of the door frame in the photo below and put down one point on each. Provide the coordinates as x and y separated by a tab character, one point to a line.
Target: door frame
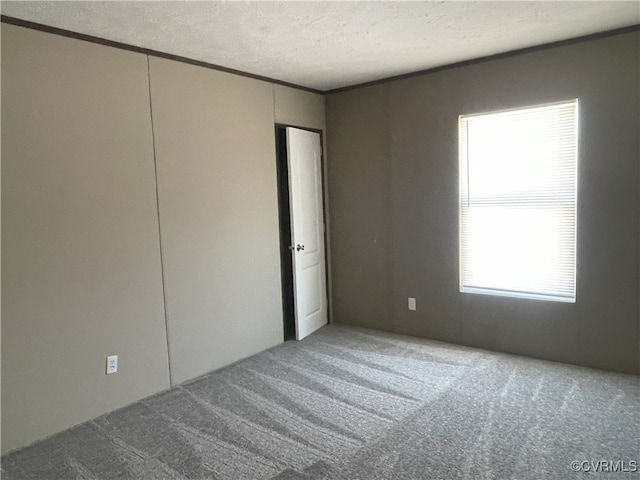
325	195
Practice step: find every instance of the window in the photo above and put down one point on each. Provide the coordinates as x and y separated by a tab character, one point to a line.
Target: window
518	191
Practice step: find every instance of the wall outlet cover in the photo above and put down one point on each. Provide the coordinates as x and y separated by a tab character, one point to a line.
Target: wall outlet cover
112	364
412	303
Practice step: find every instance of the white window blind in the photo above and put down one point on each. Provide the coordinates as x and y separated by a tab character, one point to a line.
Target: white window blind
518	192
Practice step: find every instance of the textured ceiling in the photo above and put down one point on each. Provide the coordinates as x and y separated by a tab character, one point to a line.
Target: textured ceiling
327	45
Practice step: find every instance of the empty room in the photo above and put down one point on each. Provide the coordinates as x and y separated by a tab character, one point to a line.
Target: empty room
320	240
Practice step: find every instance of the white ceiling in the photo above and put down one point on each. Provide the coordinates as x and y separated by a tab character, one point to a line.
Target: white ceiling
327	45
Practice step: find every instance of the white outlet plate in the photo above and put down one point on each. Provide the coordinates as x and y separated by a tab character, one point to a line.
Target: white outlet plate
112	364
412	303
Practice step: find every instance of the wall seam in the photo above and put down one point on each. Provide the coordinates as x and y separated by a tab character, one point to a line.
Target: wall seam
162	269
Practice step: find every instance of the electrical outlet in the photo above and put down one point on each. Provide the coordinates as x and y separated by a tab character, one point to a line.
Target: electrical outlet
412	303
112	364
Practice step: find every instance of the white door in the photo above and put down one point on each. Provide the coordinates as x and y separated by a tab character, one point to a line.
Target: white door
304	153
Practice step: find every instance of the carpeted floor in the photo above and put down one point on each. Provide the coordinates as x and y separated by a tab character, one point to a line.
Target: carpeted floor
351	404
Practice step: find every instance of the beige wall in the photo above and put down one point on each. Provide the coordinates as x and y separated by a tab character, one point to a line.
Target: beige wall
82	271
601	329
298	108
81	255
215	152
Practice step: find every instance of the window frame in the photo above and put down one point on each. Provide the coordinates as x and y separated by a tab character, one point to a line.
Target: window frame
463	166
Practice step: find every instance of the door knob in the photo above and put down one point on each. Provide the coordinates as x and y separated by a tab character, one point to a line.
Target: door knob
299	247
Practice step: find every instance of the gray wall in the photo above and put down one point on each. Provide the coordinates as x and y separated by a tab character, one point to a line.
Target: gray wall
360	208
415	122
83	241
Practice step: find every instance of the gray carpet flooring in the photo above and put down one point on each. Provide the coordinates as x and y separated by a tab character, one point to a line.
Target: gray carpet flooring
349	403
